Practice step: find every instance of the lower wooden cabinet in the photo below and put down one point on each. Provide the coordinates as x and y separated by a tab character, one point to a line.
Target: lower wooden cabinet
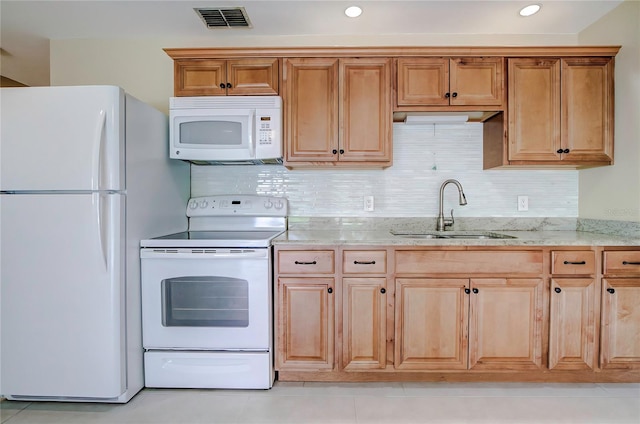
431	324
505	324
572	324
535	314
364	323
620	338
305	323
453	324
621	323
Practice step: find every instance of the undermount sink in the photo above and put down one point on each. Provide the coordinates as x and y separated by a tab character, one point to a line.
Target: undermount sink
453	235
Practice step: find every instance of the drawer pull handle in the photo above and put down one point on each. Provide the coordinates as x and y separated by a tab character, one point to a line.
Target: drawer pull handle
305	263
612	291
557	289
364	262
575	263
630	263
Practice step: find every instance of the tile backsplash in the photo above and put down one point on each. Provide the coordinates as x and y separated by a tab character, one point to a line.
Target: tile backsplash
423	157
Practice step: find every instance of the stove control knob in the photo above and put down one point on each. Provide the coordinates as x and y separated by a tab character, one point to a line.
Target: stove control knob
193	205
268	204
279	204
204	204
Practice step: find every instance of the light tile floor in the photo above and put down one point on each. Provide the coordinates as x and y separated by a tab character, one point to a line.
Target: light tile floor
392	403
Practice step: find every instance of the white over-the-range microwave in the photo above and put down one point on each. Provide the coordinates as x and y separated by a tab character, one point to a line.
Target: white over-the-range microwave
221	129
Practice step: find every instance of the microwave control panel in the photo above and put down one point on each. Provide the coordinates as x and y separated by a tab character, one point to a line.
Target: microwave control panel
265	130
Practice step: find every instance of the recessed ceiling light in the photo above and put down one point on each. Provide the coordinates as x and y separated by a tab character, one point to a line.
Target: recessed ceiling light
353	11
532	9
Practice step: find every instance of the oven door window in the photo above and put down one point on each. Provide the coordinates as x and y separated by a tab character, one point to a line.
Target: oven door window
205	302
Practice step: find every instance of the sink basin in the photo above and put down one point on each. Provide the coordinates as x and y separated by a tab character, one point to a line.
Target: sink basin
453	235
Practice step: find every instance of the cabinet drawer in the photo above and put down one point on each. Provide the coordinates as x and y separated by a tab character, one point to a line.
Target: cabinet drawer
306	262
474	263
364	262
625	262
573	262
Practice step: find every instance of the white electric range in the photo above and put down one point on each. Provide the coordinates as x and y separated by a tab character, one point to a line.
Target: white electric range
207	295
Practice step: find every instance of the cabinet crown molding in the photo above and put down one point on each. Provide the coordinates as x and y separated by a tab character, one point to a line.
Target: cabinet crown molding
406	51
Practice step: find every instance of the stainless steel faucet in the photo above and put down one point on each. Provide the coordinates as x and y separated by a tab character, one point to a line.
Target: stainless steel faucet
443	222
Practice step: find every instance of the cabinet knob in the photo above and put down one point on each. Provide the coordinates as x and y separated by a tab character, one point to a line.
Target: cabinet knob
383	290
467	291
342	151
222	85
612	291
330	290
559	151
454	94
475	291
565	151
447	95
229	85
334	151
557	289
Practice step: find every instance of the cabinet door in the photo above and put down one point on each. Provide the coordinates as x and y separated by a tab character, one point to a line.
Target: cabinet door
431	324
252	77
305	338
199	77
587	109
365	113
620	323
311	109
477	81
422	81
364	323
572	331
505	324
534	109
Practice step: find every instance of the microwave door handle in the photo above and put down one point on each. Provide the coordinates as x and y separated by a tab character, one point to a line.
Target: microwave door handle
252	130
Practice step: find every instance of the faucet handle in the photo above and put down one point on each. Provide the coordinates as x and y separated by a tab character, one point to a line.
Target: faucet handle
447	222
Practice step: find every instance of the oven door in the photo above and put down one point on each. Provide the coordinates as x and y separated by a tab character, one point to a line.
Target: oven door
210	299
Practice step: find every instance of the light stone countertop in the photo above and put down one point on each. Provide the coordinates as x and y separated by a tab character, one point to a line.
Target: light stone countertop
386	238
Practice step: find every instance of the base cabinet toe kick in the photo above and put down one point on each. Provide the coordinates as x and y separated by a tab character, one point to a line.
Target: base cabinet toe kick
459	313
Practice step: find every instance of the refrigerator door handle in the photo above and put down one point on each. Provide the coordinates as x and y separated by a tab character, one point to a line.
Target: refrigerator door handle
102	227
97	151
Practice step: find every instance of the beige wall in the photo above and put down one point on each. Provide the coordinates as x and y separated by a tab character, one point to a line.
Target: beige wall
613	192
143	69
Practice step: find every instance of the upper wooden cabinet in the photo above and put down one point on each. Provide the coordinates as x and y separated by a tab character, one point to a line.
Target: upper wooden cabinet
238	77
560	112
437	81
337	111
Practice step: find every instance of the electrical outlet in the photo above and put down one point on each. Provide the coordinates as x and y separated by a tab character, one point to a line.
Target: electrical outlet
368	203
523	203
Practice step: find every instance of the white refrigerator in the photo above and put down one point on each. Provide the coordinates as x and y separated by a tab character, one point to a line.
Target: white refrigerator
84	176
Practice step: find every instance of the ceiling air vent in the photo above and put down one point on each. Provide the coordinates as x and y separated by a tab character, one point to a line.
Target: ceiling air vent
229	17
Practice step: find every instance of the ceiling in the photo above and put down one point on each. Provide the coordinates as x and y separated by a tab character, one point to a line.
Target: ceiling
27	26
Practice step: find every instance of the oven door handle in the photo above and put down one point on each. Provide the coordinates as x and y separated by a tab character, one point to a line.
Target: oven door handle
168	253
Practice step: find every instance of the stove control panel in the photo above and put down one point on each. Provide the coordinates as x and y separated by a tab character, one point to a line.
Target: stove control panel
237	205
